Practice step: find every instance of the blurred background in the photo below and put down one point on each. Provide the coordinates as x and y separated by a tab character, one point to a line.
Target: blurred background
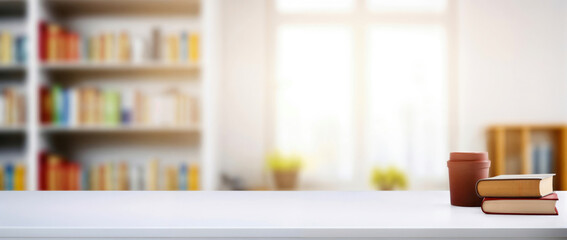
277	94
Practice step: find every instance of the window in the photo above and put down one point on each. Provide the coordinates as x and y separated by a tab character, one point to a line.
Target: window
362	84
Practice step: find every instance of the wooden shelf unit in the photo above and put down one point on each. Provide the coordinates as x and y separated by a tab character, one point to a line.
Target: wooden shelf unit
512	144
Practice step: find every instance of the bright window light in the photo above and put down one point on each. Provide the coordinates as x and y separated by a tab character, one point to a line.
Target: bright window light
298	6
407	106
429	6
314	78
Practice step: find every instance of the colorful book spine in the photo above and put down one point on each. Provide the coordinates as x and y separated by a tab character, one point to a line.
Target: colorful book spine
194	47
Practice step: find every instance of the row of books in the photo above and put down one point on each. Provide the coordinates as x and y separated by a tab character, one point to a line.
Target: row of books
12	176
57	173
529	194
12	107
90	106
12	48
61	44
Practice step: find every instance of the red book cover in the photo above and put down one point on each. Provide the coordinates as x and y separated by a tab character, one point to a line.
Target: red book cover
42	41
549	197
42	171
44	109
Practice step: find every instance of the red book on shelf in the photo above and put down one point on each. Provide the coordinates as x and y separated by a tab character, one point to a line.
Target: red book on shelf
42	41
44	105
42	171
521	206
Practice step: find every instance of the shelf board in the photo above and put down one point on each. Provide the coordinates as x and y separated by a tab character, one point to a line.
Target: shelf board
120	129
12	129
12	67
146	66
123	7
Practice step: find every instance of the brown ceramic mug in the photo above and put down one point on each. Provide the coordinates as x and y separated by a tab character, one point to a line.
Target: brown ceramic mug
465	169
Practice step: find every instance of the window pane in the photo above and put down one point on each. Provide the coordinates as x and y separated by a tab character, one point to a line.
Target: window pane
407	99
436	6
294	6
314	98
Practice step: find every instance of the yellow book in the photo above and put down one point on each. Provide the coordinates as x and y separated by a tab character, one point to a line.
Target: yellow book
194	47
124	47
1	177
173	46
172	178
122	178
6	48
153	175
194	177
20	177
93	178
110	48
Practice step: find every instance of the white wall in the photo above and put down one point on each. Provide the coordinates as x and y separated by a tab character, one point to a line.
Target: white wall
243	96
512	65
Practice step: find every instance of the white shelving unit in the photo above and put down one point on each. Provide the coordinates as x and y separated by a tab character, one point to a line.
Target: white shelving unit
132	143
13	137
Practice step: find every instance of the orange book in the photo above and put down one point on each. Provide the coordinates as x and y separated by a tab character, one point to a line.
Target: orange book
101	179
73	176
102	48
1	177
53	169
53	42
124	46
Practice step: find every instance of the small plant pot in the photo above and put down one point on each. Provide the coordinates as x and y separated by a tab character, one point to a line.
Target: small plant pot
286	180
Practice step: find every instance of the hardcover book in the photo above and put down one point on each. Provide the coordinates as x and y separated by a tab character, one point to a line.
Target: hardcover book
523	185
525	206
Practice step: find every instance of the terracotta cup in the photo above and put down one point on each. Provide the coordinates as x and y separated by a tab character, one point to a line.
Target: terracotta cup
465	169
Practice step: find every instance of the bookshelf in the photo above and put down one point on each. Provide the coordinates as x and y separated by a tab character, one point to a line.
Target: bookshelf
193	143
13	71
524	149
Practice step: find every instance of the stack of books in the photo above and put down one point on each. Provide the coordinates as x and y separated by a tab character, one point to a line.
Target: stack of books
58	44
58	173
12	48
528	194
13	176
12	107
89	106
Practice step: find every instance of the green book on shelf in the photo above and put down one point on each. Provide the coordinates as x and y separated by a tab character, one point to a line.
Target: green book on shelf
57	105
111	107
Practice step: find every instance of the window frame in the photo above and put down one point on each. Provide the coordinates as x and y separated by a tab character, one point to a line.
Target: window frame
358	20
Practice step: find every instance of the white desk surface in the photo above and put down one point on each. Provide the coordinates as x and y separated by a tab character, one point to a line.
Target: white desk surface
261	214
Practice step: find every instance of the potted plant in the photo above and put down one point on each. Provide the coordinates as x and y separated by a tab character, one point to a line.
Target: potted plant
285	169
391	178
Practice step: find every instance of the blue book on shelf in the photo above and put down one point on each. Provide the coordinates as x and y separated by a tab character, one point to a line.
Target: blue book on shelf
183	177
9	177
65	108
20	51
84	179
